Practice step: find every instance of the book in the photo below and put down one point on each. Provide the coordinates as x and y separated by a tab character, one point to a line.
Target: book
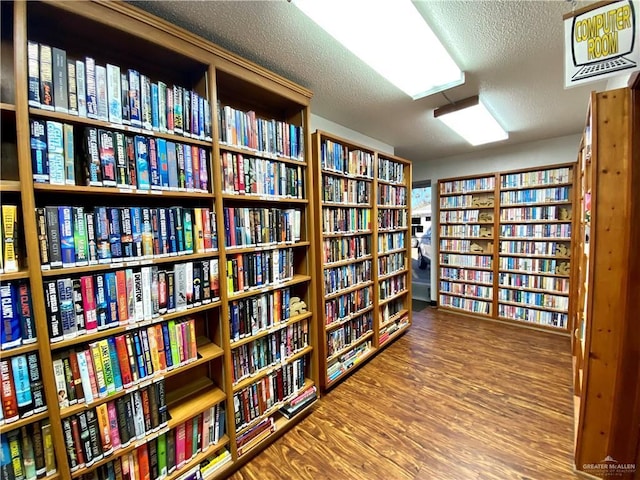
69	155
78	305
76	378
67	308
124	99
43	240
73	87
49	455
81	88
111	297
22	385
142	162
46	78
39	158
61	383
155	107
154	172
121	160
89	305
163	163
81	245
91	87
68	378
67	241
107	158
11	332
33	68
77	442
104	429
53	235
101	93
25	311
54	319
114	93
55	152
134	98
145	102
93	169
60	81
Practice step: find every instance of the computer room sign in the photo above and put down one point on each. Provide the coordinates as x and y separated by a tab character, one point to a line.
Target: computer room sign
601	41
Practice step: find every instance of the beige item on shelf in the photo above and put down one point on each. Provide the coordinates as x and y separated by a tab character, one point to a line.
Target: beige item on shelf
475	248
562	268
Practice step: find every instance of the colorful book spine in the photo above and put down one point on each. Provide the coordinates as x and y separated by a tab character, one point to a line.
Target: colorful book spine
67	241
46	78
55	152
114	93
92	88
39	158
101	93
69	155
33	68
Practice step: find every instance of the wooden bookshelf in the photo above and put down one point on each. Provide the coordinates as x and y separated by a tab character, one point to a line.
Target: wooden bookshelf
260	122
362	199
605	283
529	214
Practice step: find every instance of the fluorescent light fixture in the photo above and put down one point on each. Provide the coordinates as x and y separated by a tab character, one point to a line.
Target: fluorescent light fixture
470	119
392	37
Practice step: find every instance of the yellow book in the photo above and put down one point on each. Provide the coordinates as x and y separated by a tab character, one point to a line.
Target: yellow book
9	238
153	346
198	231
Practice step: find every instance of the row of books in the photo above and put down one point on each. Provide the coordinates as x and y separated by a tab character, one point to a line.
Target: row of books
392	195
462	216
558	249
89	303
342	307
392	286
72	236
22	391
467	200
534	281
10	231
27	452
347	360
477	276
302	400
252	402
18	325
561	230
335	157
267	137
547	212
390	219
260	176
390	309
466	289
536	195
475	306
390	171
109	93
254	435
466	246
468	185
346	276
345	190
394	262
531	265
246	271
348	333
248	227
106	367
249	316
541	317
338	249
466	231
534	299
348	219
453	259
390	241
397	325
104	158
169	452
276	348
534	179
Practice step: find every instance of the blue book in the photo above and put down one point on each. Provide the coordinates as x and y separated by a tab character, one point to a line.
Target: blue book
64	286
55	152
101	230
163	162
204	169
136	230
171	301
25	310
107	158
22	384
163	233
195	115
137	343
91	87
188	166
167	345
172	161
67	241
101	301
201	115
179	228
10	332
111	298
154	171
134	98
115	233
155	107
39	159
173	241
115	363
142	163
235	321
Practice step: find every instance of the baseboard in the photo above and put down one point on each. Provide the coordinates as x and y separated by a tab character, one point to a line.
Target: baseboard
433	303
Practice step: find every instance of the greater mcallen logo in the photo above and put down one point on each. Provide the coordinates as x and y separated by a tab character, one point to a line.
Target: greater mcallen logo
609	467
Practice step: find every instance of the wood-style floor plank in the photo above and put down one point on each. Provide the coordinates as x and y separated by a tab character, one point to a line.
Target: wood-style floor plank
455	398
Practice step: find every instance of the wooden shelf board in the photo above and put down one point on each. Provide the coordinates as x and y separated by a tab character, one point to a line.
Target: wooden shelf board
463	295
504	221
90	337
72	271
470	282
200	457
467	192
449	265
352	288
395	335
266	371
463	310
389	252
262	198
345	204
351	346
535	204
260	248
190	400
275	328
19	275
257	153
365	356
531	255
346	234
335	173
330	326
462	252
534	307
9	185
534	187
12	352
7	427
392	297
391	182
297	279
207	351
7	107
123	191
340	263
537	239
393	318
65	117
536	290
392	274
527	272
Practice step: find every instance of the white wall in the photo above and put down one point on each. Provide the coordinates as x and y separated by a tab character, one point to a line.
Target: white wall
534	154
319	123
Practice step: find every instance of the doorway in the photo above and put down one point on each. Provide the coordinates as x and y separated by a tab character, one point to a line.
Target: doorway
421	245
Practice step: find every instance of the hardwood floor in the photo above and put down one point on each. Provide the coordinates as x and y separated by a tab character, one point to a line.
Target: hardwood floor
455	398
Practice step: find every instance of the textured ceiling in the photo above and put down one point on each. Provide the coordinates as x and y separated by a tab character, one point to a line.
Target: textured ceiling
511	52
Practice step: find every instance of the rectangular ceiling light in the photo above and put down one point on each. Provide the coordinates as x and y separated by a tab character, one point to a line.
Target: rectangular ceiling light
392	37
470	119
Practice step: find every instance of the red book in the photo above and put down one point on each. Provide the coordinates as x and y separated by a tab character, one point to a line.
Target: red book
206	229
77	380
188	440
180	445
123	360
113	425
240	172
195	155
170	123
89	303
75	432
142	454
8	392
146	408
121	292
236	160
105	430
161	347
232	227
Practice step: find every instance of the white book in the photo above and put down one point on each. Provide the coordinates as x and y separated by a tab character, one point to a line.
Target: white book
147	299
82	88
84	376
138	415
138	297
114	93
189	282
180	286
101	93
61	384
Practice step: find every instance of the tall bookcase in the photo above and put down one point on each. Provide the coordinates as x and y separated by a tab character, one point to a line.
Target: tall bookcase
605	341
363	203
505	245
240	352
